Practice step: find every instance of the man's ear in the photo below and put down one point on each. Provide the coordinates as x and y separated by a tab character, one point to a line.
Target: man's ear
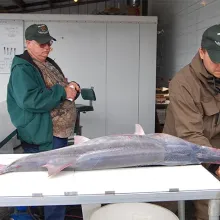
201	53
26	44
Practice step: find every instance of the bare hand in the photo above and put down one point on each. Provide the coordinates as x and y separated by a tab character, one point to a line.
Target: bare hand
77	88
70	92
218	172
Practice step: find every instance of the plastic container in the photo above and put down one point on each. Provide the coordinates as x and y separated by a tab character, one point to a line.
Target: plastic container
133	211
21	208
20	213
21	216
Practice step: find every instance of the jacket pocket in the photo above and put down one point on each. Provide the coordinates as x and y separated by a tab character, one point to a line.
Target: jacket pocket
26	130
211	113
39	130
28	117
210	107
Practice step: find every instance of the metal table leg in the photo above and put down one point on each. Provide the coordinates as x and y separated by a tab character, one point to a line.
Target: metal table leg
214	209
181	210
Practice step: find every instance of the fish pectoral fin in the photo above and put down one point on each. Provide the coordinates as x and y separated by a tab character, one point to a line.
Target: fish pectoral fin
55	169
80	139
139	130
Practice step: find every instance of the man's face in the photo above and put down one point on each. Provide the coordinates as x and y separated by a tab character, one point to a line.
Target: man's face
39	50
212	68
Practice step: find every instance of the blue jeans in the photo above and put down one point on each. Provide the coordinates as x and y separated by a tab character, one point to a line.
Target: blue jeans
51	212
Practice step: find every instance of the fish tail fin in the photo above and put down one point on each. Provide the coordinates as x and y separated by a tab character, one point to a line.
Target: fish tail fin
2	169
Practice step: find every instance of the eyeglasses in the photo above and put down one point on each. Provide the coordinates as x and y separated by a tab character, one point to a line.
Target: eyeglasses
44	45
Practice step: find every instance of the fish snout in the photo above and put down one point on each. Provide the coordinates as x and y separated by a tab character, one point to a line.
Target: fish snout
3	169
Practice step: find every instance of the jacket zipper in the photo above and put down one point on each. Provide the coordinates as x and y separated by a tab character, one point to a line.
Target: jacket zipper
217	119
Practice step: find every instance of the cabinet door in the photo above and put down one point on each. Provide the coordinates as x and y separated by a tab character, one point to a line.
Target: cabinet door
147	85
122	77
87	65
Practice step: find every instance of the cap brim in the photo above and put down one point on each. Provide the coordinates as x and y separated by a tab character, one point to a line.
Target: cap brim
214	55
44	40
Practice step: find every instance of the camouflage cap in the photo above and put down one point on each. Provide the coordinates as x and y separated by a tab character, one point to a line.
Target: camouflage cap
211	42
39	33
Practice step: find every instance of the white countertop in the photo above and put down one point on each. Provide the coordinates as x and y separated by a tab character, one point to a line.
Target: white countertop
148	183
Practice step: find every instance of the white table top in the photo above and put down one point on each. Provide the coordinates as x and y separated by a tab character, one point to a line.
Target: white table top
130	184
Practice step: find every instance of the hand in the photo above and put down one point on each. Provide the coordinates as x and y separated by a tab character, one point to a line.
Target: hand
70	92
218	172
77	88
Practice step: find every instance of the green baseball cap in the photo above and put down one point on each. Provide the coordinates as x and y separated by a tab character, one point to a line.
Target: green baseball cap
211	42
39	33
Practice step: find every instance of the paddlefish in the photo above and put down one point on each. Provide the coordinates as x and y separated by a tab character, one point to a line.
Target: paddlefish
117	151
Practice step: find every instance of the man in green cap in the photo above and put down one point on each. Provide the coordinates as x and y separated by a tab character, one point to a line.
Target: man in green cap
194	110
40	100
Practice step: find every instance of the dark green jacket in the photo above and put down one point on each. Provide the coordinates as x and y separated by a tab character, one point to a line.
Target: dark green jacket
29	102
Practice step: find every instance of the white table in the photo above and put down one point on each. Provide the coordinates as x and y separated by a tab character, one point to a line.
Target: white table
92	188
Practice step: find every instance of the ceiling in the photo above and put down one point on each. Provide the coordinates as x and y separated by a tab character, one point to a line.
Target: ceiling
28	6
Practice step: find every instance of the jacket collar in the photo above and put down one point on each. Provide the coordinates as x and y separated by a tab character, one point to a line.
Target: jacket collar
208	80
26	56
198	66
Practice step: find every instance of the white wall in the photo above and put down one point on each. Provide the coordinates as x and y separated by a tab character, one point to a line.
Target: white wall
183	22
3	86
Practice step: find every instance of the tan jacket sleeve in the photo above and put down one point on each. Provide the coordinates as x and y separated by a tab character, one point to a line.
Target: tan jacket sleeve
188	120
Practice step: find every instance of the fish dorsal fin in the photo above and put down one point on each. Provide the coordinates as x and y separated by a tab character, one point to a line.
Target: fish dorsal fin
139	130
80	139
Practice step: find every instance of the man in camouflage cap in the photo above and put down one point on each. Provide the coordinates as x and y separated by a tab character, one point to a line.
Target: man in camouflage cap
38	99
